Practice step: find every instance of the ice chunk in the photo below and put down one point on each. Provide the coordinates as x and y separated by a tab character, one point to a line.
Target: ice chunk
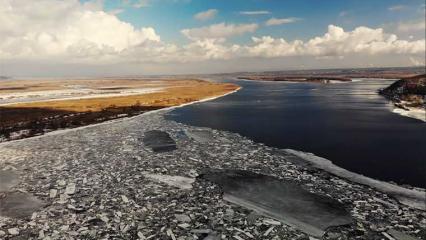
18	205
202	136
8	179
159	141
175	181
283	200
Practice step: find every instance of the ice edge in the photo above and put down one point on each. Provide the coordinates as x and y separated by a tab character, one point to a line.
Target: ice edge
409	197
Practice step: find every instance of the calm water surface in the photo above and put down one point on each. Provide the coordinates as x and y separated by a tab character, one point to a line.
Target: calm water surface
347	123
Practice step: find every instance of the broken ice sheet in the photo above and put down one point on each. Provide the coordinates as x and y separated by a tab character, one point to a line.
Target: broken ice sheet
202	136
159	141
282	200
175	181
8	179
18	204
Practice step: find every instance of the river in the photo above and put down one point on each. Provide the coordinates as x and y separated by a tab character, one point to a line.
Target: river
347	123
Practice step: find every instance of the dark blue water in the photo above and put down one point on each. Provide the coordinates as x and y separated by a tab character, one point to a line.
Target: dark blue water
347	123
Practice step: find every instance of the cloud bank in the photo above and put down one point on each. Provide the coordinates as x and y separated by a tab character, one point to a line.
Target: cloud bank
337	43
68	31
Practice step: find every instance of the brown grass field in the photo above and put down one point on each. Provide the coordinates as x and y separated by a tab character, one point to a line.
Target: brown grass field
34	118
14	86
176	92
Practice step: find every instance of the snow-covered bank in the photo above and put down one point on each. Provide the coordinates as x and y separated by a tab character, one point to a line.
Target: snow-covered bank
416	113
409	197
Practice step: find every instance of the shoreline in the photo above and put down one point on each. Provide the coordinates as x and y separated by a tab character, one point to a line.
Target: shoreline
410	112
39	117
319	162
61	131
415	197
351	176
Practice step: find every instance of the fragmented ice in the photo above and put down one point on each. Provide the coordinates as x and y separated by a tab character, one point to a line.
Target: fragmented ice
400	235
18	204
8	179
159	141
411	197
282	200
175	181
202	136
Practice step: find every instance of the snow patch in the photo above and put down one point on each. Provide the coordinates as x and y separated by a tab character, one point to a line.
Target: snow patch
416	113
71	94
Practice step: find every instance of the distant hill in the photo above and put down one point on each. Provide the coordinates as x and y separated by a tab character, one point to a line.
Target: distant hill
410	91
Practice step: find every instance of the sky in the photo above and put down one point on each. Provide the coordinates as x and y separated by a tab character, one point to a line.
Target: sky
145	37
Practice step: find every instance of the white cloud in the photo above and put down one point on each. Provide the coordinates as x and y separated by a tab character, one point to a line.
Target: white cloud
141	4
259	12
116	11
208	49
280	21
70	32
269	47
412	26
336	43
206	15
64	29
417	61
219	31
396	7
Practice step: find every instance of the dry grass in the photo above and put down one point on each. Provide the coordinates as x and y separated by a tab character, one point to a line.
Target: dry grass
20	86
21	120
176	93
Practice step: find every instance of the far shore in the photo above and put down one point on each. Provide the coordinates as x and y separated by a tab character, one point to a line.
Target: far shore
297	79
97	100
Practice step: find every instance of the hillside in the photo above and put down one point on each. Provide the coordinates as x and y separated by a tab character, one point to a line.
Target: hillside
407	92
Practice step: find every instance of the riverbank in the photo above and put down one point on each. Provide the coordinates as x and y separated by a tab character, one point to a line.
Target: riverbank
297	79
416	113
408	96
31	108
103	181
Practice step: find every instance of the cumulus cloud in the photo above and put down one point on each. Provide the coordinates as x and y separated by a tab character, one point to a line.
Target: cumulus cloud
69	31
258	12
116	11
219	31
49	28
336	43
206	15
208	49
412	26
280	21
141	4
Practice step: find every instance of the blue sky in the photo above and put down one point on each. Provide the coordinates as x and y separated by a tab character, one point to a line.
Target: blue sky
168	17
128	37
